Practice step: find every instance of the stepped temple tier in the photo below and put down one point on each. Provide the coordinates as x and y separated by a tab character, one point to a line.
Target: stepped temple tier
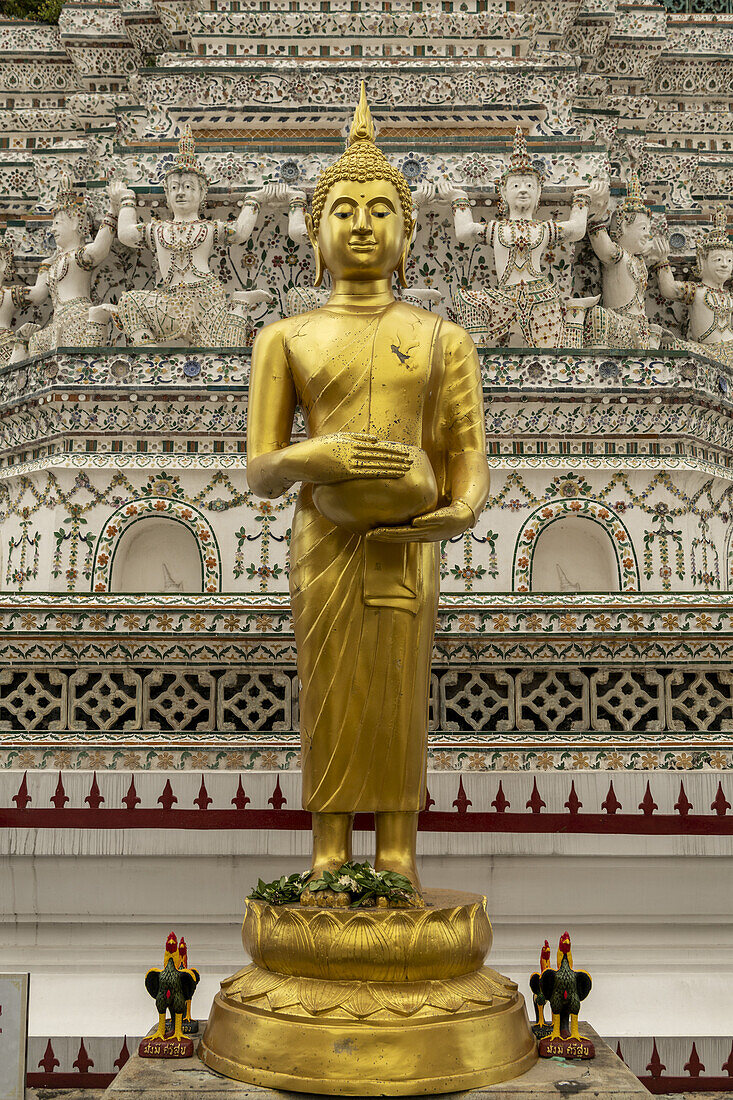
366	495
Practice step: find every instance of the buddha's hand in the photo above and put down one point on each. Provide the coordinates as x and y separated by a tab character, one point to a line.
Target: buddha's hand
443	523
343	456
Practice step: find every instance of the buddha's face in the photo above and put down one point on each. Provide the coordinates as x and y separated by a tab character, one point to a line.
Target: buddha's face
184	193
67	230
716	266
361	234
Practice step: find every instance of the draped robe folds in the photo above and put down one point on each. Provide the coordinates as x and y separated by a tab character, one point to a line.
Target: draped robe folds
364	611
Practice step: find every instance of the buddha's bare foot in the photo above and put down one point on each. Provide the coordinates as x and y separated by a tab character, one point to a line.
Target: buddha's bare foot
415	901
331	864
324	899
408	870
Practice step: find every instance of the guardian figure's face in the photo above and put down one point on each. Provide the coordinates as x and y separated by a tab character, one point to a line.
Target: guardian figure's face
521	193
184	193
717	266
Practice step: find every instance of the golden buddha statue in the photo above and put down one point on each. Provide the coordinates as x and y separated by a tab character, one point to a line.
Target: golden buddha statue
394	462
377	1001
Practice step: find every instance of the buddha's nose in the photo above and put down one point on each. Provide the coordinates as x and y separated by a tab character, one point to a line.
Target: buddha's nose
363	221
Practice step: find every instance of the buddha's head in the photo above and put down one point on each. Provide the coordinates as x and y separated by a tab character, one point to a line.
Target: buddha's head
361	220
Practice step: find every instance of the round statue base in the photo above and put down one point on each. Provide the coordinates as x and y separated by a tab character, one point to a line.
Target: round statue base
361	1002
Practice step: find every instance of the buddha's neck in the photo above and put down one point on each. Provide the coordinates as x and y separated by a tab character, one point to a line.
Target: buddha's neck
374	294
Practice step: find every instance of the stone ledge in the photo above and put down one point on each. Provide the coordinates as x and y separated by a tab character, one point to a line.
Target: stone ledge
605	1076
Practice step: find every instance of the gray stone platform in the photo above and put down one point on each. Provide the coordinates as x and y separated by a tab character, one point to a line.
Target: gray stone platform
550	1079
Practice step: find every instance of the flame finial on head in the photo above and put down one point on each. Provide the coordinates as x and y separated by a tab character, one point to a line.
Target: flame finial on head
362	124
362	160
187	149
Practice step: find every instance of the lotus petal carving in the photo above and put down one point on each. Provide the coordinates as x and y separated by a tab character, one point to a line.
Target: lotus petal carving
403	998
361	1003
445	940
285	995
256	983
228	983
289	942
439	942
480	988
365	998
363	944
503	984
319	996
443	995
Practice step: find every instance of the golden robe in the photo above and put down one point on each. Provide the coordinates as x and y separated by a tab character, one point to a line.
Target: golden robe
364	611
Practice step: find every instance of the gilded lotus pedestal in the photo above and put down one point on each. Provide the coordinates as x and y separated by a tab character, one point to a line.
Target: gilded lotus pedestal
360	1002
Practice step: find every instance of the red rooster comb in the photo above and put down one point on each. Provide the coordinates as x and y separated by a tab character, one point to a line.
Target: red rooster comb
564	944
183	951
171	944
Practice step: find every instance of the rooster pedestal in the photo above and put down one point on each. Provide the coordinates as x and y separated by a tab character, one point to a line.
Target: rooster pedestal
172	986
564	989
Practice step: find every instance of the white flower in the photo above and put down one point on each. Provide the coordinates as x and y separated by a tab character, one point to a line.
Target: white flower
348	881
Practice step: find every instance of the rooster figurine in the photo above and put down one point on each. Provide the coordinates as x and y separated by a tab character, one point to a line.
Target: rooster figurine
172	986
565	988
540	1028
190	1027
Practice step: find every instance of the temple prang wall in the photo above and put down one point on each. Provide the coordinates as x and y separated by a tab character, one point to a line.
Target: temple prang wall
581	714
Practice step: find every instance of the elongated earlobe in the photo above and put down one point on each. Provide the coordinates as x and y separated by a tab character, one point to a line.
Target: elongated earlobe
318	274
402	265
401	272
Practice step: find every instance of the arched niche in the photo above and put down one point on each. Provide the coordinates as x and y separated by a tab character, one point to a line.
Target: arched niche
157	554
604	533
574	554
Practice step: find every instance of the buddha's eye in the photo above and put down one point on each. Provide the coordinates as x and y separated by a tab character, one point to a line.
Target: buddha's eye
380	213
342	213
